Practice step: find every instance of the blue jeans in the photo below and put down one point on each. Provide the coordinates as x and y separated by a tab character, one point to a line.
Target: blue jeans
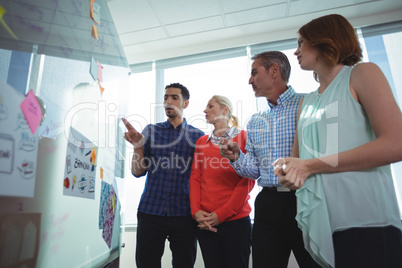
152	232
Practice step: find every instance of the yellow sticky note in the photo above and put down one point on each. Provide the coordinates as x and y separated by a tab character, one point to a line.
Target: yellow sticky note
101	88
91	9
94	32
113	203
2	12
93	156
94	11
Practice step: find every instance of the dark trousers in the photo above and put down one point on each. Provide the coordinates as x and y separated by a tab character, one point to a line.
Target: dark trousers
152	232
275	231
374	247
229	247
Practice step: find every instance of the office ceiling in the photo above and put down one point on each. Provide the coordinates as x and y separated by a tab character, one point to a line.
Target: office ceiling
137	31
159	29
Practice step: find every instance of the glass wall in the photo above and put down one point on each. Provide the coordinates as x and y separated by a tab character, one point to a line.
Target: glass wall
72	98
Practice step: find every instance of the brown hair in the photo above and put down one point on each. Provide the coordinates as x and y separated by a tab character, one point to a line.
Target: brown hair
335	38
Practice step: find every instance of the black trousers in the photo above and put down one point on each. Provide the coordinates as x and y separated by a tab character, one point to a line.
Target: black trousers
152	232
275	231
229	247
374	247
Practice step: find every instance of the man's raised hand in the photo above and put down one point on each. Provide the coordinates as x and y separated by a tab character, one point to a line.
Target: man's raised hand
132	135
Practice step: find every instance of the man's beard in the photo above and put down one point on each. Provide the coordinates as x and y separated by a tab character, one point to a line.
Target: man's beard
172	113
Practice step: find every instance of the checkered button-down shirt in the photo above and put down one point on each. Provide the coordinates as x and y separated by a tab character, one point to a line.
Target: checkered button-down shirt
168	153
270	135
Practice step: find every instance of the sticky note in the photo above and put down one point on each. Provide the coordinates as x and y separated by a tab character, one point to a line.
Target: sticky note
94	32
31	109
96	12
101	88
91	10
93	69
2	22
99	72
93	156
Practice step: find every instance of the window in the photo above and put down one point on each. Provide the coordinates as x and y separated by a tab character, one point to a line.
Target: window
382	45
227	76
140	105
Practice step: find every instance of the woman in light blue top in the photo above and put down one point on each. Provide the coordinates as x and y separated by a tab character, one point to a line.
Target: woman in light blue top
349	132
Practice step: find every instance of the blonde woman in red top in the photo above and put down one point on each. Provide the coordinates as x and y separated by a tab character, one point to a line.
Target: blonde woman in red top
218	196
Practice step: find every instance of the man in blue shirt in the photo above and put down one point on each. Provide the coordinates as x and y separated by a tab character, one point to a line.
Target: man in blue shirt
164	152
270	135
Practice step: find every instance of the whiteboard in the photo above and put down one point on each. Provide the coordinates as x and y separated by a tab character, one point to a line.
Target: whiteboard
67	227
44	227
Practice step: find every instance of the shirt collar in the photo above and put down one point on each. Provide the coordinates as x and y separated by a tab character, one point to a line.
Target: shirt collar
167	124
284	97
229	134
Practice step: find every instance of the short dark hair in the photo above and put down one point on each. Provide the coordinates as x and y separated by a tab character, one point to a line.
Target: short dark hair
184	91
270	57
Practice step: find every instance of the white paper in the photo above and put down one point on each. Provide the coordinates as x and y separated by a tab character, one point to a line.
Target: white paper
80	170
18	146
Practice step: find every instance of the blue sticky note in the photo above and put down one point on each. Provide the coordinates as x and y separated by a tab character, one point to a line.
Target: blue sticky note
93	70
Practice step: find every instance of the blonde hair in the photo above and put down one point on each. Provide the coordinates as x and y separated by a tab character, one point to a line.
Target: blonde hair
225	102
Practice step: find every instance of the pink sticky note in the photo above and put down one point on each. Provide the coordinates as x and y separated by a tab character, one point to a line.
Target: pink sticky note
31	109
100	67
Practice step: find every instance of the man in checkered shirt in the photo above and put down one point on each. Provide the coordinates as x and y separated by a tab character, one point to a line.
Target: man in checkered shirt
270	135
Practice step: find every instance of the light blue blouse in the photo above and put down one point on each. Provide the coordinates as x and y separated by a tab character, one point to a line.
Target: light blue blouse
331	123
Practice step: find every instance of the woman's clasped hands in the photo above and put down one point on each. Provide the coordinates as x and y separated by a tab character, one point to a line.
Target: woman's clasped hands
292	172
207	221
